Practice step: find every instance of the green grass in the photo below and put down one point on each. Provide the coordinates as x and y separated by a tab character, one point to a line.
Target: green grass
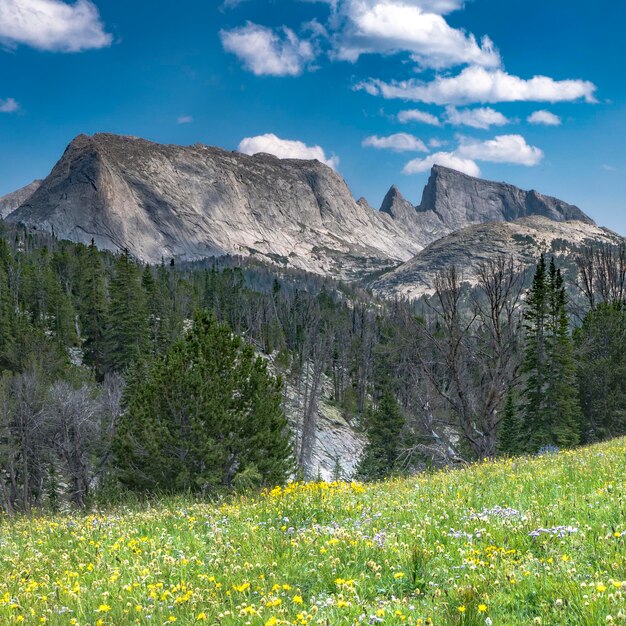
431	549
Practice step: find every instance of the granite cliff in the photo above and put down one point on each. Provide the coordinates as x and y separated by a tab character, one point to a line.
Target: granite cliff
165	201
13	200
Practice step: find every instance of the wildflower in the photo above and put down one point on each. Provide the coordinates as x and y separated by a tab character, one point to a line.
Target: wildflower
398	575
201	617
272	621
103	608
482	608
461	609
600	588
297	600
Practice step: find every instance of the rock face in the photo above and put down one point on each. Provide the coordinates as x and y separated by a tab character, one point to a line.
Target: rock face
163	201
13	200
459	200
188	203
524	239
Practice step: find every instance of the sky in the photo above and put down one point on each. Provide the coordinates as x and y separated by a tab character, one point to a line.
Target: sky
524	91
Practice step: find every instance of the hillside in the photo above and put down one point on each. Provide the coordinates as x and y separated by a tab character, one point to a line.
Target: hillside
524	541
524	240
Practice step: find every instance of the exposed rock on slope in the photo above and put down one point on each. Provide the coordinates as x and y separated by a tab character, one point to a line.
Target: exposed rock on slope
460	200
13	200
525	239
192	202
166	201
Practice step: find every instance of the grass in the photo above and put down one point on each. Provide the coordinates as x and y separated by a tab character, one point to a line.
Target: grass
526	541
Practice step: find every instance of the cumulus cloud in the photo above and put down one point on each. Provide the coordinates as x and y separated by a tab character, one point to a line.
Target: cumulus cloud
400	142
478	84
484	117
390	26
501	149
52	25
545	118
268	53
414	115
10	105
285	149
447	159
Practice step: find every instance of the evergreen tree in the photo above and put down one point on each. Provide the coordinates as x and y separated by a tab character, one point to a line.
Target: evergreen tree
562	394
384	425
128	330
601	359
201	415
93	309
551	411
509	432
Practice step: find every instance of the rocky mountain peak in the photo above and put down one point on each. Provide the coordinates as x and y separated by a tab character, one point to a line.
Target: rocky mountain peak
13	200
460	200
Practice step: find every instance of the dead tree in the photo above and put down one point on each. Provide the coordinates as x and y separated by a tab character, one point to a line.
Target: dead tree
471	355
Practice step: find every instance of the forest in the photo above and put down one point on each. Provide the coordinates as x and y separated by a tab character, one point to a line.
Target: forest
119	377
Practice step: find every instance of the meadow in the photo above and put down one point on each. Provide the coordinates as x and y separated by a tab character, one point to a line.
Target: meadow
525	541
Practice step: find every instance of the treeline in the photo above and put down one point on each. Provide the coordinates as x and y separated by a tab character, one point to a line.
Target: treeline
501	367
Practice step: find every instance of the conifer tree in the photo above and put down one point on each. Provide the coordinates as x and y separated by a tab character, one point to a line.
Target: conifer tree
93	309
201	415
128	331
384	427
551	411
509	432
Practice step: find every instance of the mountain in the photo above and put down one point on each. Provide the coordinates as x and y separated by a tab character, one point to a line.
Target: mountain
524	239
452	200
13	200
166	201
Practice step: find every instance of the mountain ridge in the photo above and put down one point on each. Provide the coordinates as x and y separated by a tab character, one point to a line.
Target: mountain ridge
163	201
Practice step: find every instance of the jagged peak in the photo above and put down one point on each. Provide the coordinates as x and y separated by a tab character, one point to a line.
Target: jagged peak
391	200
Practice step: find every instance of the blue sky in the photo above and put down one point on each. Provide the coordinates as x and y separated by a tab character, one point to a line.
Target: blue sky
380	89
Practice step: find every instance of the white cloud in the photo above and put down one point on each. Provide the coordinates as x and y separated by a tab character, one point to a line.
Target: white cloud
231	4
483	117
436	143
501	149
285	149
390	26
184	119
10	105
545	118
266	53
52	25
477	84
400	142
447	159
414	115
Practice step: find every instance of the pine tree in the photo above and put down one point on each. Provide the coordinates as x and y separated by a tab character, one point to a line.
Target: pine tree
551	411
509	432
201	415
562	394
93	309
601	359
384	426
128	333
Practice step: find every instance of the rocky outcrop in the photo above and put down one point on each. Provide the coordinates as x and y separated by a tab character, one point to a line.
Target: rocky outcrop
165	201
13	200
459	200
524	239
